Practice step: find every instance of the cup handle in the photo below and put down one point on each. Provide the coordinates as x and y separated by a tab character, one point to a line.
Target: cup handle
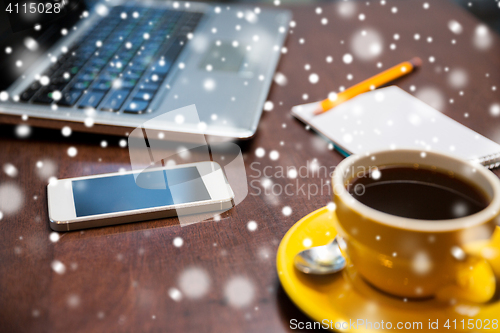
475	280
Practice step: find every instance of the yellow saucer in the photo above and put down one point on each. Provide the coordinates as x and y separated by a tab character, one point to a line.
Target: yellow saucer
334	300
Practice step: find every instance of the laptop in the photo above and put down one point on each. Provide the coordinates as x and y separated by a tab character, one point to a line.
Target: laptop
109	67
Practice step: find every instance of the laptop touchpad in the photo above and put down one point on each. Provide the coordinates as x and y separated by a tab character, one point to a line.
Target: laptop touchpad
223	56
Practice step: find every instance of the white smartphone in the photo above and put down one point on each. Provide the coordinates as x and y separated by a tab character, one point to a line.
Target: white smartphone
115	198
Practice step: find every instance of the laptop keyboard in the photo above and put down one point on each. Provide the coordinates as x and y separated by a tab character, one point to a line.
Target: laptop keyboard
119	64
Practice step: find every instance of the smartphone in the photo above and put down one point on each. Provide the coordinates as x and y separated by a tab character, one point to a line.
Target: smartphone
115	198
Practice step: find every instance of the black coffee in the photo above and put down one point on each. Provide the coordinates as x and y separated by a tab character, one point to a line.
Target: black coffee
418	193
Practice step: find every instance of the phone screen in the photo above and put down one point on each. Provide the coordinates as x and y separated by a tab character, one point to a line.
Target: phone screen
113	194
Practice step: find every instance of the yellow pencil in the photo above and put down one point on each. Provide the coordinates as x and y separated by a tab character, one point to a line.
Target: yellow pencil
376	81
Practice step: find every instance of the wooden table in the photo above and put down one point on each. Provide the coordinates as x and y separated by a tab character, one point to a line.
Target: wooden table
123	278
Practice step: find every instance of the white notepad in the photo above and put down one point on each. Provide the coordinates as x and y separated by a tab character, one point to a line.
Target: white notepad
390	118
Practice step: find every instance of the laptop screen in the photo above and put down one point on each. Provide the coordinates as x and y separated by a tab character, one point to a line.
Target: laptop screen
29	28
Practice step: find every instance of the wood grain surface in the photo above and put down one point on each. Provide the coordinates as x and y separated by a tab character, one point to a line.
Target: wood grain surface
122	278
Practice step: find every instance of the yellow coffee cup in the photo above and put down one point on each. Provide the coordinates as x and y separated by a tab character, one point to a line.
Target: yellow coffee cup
414	258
